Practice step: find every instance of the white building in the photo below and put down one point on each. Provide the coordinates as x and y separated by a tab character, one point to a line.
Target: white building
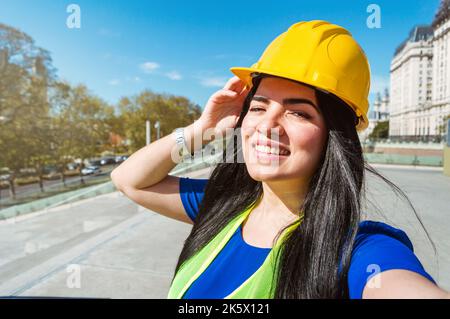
411	86
441	64
379	113
381	107
420	81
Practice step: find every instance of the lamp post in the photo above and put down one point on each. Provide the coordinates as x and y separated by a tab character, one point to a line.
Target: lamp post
147	131
157	129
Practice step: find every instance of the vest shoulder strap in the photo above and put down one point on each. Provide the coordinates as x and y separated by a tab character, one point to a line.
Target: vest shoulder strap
259	285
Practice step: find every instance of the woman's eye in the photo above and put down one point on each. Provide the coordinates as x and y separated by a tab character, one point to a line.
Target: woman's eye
297	114
301	114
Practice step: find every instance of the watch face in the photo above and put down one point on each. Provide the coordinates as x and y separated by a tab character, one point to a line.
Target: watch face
180	135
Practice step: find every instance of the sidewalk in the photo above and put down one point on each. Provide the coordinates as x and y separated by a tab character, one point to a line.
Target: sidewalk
119	249
115	249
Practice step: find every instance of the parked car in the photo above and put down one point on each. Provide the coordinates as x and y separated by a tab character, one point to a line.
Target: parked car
49	168
94	163
50	172
27	171
5	177
72	166
91	170
52	175
107	161
121	158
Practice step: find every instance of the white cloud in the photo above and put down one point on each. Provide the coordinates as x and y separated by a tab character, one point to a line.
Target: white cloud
114	82
379	83
213	81
149	67
174	75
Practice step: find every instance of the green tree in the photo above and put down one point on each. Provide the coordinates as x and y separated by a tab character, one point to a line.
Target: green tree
80	124
441	128
171	111
26	71
380	131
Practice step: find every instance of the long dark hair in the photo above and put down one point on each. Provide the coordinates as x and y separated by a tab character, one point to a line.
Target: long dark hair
314	259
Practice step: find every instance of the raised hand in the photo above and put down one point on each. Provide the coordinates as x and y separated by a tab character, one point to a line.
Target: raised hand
224	107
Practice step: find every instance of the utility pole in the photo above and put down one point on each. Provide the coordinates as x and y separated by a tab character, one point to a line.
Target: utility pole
157	129
147	130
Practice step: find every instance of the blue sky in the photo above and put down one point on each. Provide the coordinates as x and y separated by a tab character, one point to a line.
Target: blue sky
187	47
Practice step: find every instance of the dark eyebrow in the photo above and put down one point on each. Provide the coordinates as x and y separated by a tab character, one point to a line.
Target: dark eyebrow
288	101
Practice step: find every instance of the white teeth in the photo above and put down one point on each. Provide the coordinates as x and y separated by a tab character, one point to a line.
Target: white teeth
270	150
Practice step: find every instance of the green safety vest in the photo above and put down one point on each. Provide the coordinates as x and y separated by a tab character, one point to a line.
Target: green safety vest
257	286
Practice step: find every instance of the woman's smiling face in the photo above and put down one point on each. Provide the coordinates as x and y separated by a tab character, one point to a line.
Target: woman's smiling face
285	116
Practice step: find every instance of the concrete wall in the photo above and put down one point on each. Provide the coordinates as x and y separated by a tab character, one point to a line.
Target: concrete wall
408	151
447	160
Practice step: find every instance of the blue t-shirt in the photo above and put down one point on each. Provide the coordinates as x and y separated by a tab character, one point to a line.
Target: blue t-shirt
378	247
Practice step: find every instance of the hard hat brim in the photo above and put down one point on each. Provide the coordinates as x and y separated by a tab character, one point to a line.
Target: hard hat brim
245	74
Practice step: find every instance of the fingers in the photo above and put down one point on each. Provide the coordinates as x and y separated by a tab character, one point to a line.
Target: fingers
234	84
224	96
245	90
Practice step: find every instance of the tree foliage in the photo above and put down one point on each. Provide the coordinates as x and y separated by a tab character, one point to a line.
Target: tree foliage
45	121
380	131
171	112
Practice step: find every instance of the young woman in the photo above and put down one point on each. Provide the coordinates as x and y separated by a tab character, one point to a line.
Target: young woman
286	221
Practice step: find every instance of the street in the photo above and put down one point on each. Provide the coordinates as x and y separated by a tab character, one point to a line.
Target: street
30	189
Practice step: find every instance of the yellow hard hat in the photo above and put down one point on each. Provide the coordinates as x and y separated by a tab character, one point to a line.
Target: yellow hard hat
320	54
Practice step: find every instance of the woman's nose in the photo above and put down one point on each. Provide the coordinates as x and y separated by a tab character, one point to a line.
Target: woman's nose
270	125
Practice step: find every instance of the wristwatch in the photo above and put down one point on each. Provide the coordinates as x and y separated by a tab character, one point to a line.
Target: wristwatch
180	140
